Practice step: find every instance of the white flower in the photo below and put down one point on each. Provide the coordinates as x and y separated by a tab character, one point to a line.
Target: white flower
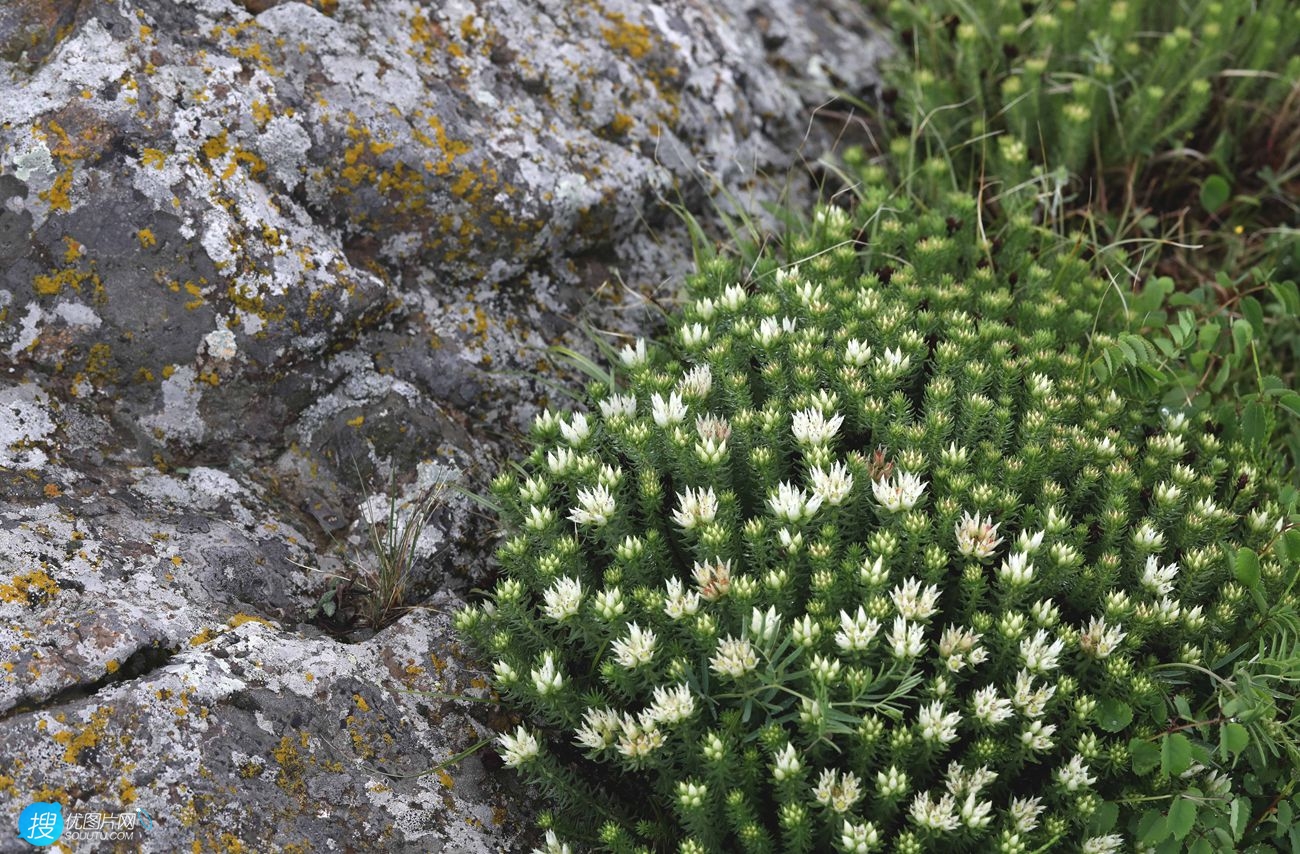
1024	814
825	670
546	679
857	353
618	406
977	537
576	430
805	631
711	428
634	356
734	658
787	763
832	218
1159	579
694	334
637	740
539	518
697	383
599	729
958	781
873	573
935	726
791	504
1074	774
561	460
1038	736
595	507
954	455
562	599
534	490
609	603
957	647
553	845
914	602
733	297
636	649
900	493
518	749
975	813
1099	640
679	603
859	838
1030	543
764	624
833	485
892	362
891	783
1016	570
906	639
710	451
671	705
989	708
839	793
609	477
713	579
812	429
505	674
696	507
1167	610
938	815
1147	537
770	329
1031	701
546	421
667	412
1108	844
856	632
1039	656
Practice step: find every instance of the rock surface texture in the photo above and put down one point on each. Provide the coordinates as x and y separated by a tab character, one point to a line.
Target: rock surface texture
267	266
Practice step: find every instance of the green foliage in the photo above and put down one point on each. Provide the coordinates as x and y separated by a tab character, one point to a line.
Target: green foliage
878	552
1168	131
1092	87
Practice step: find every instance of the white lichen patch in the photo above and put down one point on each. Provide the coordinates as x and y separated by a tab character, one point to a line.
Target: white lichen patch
77	314
25	422
221	344
179	418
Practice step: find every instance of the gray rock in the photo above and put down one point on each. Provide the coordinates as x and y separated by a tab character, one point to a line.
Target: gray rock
270	271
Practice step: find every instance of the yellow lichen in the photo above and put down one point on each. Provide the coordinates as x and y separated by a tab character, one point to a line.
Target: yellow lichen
239	619
261	113
31	588
88	737
146	237
633	39
202	637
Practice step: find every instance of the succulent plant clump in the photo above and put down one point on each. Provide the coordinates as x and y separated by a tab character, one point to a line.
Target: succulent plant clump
865	558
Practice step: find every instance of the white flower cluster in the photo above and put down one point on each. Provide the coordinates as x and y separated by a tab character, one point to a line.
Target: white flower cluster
725	562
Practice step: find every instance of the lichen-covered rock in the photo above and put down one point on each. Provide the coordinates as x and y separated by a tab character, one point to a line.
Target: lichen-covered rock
265	266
